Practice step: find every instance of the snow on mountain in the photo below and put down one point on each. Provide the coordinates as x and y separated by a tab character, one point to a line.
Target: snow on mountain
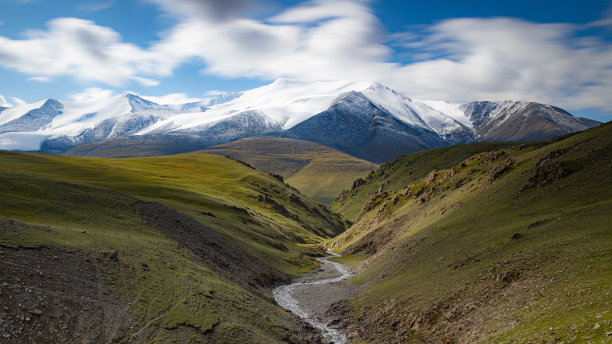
451	130
290	102
34	119
51	119
360	127
396	104
419	114
221	98
276	108
16	112
198	106
19	141
287	102
80	116
521	121
451	109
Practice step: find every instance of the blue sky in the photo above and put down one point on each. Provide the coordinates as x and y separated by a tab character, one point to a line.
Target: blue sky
557	52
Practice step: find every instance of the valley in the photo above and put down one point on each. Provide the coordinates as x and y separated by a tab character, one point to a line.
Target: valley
474	243
313	294
176	260
305	172
318	171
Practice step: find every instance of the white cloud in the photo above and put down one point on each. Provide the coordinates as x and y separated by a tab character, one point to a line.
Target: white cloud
92	94
145	81
3	102
503	58
40	78
15	102
456	59
213	10
77	48
317	40
213	93
18	101
495	58
317	10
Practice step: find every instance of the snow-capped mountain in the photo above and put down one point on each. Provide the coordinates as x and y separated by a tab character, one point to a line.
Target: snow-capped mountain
521	121
365	119
54	121
360	127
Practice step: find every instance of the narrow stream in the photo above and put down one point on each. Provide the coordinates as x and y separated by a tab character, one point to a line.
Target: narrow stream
286	297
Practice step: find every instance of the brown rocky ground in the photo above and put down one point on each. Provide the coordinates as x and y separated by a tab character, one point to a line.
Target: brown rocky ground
54	295
219	252
51	296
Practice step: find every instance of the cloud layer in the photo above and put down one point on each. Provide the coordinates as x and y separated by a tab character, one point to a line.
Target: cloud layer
14	102
77	48
457	59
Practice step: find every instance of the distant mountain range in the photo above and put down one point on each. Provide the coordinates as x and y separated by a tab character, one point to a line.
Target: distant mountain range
364	119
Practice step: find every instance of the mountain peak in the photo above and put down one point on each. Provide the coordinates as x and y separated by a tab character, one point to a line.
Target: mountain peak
139	104
134	97
376	85
351	97
53	103
378	88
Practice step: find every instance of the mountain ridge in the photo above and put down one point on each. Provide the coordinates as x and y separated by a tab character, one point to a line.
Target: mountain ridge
284	108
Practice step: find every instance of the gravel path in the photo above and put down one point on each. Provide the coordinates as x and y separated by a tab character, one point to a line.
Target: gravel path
311	295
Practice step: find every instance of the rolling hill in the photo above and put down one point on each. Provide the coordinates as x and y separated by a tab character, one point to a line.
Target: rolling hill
169	249
318	171
508	245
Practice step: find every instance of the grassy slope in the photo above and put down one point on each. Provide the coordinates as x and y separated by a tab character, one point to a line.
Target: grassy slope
87	205
318	171
447	262
403	171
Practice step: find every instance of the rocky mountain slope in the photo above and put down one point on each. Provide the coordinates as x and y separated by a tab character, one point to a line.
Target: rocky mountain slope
364	119
507	244
521	121
318	171
169	249
357	126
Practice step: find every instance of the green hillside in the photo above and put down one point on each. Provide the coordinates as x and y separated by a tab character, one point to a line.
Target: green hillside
318	171
180	249
404	170
512	245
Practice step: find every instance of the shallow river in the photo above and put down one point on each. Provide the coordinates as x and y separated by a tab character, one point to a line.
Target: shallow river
294	297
